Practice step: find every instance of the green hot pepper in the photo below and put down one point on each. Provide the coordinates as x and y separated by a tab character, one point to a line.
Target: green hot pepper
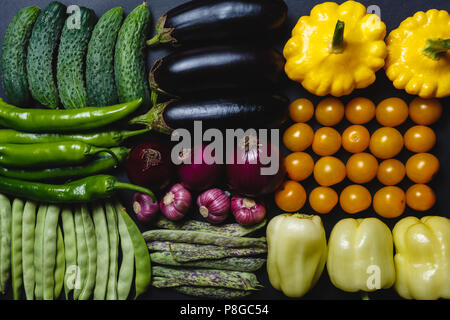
102	163
47	154
84	190
45	120
99	139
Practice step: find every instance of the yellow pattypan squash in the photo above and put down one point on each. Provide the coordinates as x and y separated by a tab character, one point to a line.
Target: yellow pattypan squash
336	49
418	54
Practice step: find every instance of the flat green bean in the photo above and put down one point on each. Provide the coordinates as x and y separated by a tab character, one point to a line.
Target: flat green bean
28	225
82	254
38	252
50	247
101	232
5	242
91	243
16	247
70	250
127	267
111	217
60	264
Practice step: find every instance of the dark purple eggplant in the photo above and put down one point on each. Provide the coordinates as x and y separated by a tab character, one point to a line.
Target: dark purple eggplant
216	67
206	20
251	110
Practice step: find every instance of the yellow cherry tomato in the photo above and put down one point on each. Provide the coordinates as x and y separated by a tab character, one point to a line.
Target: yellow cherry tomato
355	139
355	198
301	110
291	196
360	110
420	197
419	139
392	112
323	199
391	172
386	143
299	165
361	167
389	202
329	112
327	141
298	137
422	167
329	171
425	111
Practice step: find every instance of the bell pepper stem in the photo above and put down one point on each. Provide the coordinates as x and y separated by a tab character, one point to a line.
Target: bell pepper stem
129	186
337	43
436	47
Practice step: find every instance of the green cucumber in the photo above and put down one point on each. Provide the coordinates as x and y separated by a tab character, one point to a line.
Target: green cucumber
100	83
14	53
70	69
42	52
130	60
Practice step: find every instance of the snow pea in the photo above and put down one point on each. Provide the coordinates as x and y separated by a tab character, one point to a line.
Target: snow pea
70	247
127	267
16	247
49	250
28	225
39	252
5	242
111	218
60	263
101	232
91	244
82	254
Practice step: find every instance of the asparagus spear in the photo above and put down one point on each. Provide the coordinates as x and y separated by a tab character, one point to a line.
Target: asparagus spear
211	292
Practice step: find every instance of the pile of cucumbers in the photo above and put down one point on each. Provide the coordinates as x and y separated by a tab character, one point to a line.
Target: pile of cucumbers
75	60
41	257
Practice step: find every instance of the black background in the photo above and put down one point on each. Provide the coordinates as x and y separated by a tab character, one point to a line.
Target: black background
392	13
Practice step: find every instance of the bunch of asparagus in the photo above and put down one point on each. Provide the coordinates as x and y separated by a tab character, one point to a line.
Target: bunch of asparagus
203	260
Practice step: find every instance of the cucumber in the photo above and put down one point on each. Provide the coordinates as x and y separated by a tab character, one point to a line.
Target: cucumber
100	83
70	69
129	62
14	53
42	52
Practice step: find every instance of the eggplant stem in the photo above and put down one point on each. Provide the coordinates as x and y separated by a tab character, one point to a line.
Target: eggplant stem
337	43
436	47
153	119
129	186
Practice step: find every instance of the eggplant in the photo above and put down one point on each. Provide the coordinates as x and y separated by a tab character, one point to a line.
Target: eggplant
206	20
251	110
216	67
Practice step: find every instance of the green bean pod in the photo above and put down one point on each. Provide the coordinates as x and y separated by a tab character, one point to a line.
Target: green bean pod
50	247
60	264
101	233
82	254
102	163
111	219
91	245
70	249
127	266
5	242
28	225
39	252
16	247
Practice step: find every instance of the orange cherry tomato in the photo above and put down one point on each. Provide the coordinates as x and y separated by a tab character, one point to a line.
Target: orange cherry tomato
389	202
329	171
419	139
355	198
422	167
327	141
391	172
425	111
329	112
323	199
298	137
360	110
291	196
355	139
386	143
299	165
420	197
301	110
361	167
392	112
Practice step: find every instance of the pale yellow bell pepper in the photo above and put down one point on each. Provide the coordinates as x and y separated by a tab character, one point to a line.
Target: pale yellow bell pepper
297	252
422	258
336	49
418	54
360	255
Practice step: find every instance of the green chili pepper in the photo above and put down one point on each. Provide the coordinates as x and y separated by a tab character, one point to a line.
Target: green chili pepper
104	139
102	163
84	190
48	154
49	120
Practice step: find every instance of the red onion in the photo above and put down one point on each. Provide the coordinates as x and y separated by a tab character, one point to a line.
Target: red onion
201	176
144	207
176	202
214	205
247	211
149	165
244	168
